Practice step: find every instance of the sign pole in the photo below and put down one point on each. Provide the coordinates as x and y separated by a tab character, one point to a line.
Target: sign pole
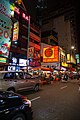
28	40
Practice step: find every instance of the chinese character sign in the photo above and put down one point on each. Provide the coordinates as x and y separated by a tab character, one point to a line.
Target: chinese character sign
5	28
51	54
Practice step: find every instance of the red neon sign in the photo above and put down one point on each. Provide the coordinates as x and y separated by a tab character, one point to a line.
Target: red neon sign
17	10
25	16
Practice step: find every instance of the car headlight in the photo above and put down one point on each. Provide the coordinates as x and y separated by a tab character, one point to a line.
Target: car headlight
26	101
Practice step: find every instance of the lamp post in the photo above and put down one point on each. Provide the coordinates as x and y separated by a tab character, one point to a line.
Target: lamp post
72	47
73	50
28	39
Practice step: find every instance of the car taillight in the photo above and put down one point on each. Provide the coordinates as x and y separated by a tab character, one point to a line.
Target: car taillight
26	101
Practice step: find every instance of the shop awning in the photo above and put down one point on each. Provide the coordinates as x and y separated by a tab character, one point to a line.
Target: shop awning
43	68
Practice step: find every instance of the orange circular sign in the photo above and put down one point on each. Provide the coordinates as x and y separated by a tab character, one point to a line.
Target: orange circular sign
48	52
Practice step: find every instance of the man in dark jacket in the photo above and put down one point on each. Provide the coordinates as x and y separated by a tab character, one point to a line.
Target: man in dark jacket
65	77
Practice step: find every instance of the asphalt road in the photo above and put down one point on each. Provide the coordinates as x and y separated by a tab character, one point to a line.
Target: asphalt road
60	101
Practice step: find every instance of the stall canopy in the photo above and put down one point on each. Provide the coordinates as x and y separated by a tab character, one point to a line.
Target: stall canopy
43	68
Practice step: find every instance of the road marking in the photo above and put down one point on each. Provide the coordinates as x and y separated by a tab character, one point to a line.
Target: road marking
35	98
63	87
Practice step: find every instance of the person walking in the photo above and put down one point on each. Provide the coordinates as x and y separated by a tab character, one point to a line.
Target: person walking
65	77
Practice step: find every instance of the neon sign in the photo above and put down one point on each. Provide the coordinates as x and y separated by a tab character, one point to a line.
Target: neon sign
25	16
17	10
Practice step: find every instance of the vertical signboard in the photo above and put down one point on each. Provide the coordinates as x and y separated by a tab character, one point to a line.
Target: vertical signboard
5	28
30	52
15	31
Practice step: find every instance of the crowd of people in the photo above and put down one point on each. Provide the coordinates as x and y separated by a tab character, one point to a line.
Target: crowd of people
60	76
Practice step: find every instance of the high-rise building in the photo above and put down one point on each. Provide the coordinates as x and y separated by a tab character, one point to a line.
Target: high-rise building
63	21
25	44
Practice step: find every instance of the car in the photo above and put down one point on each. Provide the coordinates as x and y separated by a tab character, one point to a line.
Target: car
76	76
18	81
14	106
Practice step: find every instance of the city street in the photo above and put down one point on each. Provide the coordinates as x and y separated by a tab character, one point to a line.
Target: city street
58	101
40	60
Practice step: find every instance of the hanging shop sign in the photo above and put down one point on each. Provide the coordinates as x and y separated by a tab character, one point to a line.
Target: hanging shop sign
11	68
15	31
68	58
2	60
17	10
77	58
71	59
5	28
34	63
30	52
64	64
51	54
23	62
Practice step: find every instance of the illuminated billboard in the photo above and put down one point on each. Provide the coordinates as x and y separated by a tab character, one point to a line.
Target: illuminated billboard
2	60
68	58
23	62
30	52
5	28
15	31
51	54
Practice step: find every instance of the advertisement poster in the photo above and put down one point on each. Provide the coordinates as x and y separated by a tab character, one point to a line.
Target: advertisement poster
51	54
30	52
5	28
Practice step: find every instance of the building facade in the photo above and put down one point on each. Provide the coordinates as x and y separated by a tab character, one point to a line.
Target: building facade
63	21
24	38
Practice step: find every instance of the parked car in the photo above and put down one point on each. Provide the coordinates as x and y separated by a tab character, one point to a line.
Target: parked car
76	76
18	81
14	107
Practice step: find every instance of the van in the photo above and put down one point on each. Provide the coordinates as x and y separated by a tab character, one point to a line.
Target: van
17	81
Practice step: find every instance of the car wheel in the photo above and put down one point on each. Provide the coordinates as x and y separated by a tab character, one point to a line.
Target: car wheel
36	88
19	117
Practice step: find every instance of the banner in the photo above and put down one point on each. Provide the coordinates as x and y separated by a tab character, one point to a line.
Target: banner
5	28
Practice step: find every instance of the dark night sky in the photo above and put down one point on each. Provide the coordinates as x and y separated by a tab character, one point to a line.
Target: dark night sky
53	4
31	5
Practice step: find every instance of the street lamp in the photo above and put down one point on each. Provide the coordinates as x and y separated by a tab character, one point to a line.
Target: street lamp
72	47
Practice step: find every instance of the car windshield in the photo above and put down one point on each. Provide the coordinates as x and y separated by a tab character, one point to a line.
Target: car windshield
5	94
13	75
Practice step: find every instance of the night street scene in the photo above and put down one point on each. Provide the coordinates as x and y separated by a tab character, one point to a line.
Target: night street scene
39	60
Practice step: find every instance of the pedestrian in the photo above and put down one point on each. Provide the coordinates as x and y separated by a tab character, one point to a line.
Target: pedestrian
65	77
71	76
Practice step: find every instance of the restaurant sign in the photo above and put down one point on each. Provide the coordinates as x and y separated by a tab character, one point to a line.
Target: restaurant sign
51	54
